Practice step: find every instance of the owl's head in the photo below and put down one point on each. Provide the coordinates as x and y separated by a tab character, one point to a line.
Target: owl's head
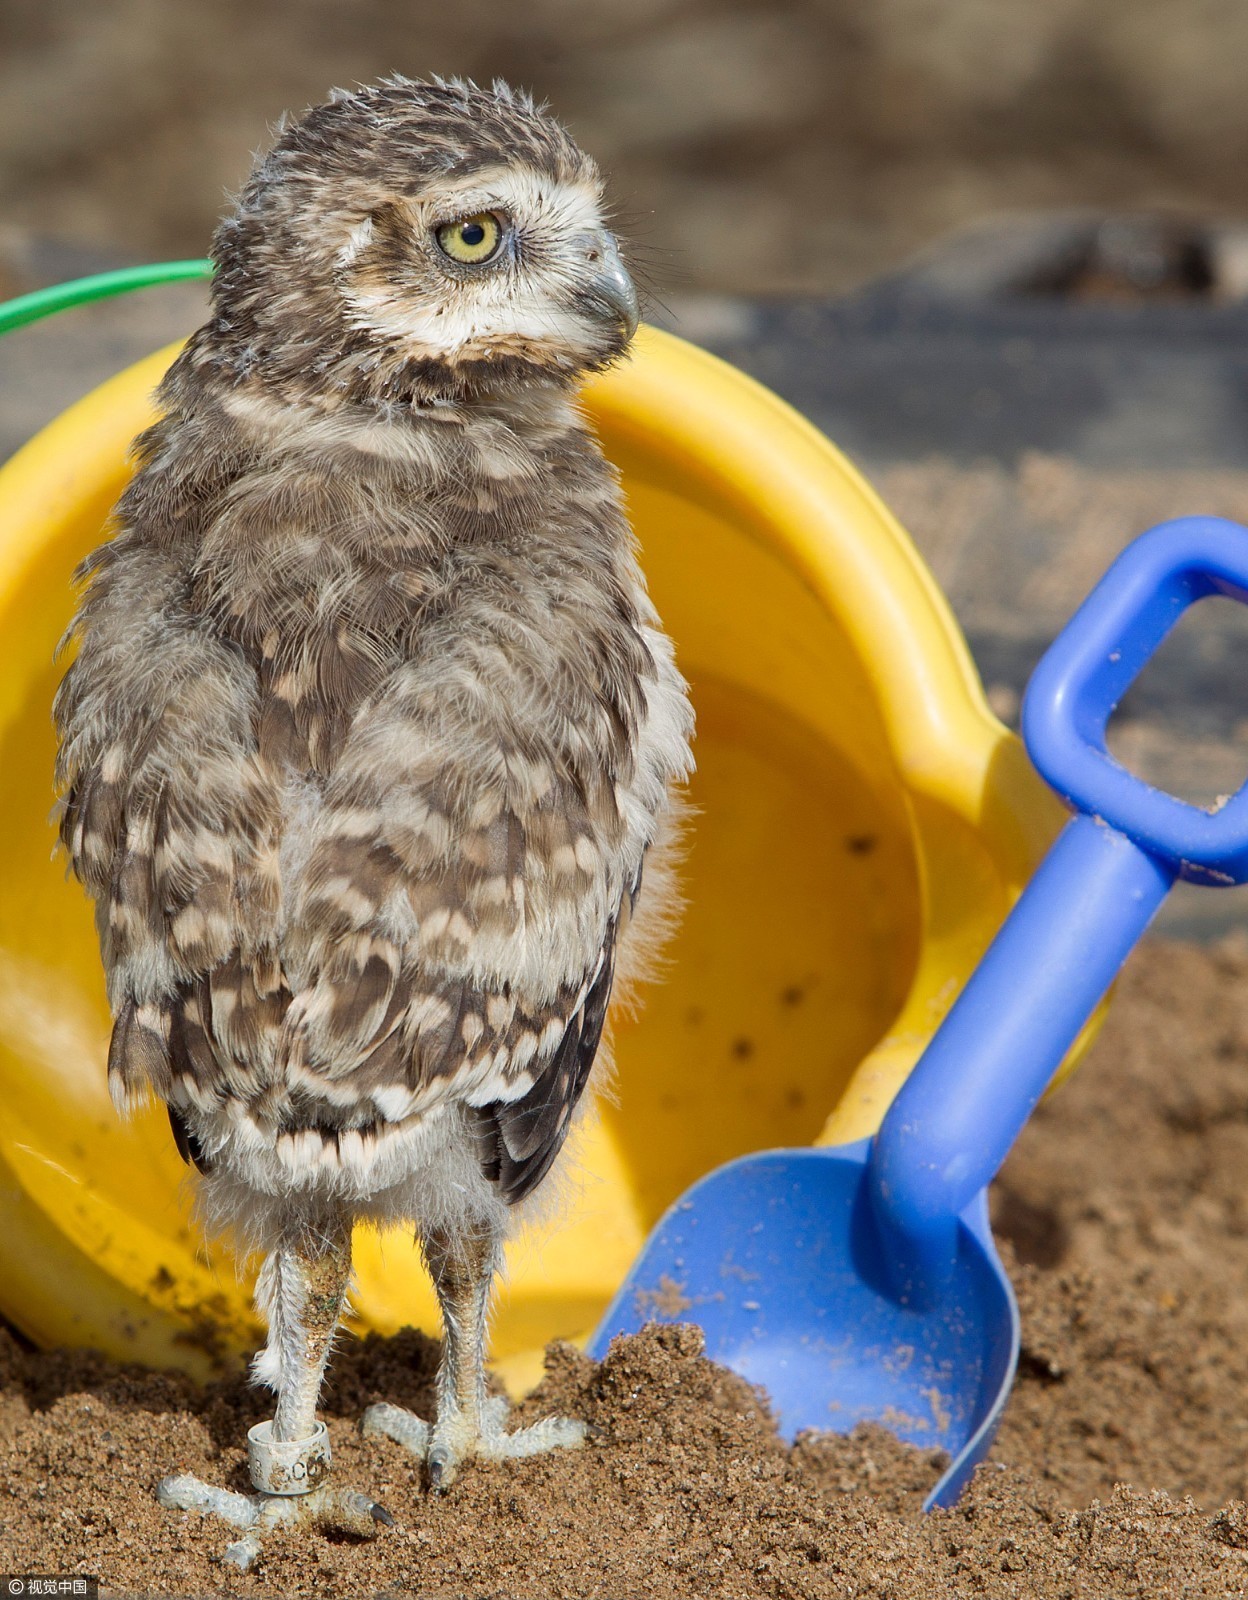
421	240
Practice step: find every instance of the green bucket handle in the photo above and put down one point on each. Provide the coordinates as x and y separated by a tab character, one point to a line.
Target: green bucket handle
28	308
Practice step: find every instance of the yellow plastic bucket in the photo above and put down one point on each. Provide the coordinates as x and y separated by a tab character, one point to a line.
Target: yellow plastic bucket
862	825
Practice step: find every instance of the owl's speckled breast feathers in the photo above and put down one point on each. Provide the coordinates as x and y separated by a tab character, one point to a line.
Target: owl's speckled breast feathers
372	723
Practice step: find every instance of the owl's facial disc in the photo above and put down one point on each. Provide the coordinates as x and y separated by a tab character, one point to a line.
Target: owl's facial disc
503	268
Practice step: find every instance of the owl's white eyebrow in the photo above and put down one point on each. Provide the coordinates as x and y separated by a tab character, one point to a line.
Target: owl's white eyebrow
522	193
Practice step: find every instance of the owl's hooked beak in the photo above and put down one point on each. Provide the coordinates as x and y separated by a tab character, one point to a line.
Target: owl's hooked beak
609	293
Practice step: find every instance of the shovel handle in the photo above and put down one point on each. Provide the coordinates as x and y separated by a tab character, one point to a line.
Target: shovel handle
956	1116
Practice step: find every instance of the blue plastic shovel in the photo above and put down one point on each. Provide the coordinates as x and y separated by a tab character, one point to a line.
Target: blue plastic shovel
862	1282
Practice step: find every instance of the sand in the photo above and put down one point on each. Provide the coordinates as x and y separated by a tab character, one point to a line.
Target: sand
1125	1219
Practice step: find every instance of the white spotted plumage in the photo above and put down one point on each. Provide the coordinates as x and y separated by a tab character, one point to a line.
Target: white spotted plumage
372	726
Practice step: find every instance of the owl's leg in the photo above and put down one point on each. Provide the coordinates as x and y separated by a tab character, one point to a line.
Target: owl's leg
303	1286
463	1267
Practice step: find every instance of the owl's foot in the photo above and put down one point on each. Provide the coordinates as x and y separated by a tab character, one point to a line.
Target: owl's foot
457	1436
327	1508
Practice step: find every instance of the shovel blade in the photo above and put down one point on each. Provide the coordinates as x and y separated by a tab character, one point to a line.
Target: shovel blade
776	1256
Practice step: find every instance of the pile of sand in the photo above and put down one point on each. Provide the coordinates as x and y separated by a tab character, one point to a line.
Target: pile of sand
1126	1221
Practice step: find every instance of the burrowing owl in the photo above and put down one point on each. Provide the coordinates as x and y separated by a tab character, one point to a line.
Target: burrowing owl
371	727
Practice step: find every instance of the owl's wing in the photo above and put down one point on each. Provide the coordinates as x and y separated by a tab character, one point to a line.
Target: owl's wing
435	922
172	824
375	1029
519	1139
457	925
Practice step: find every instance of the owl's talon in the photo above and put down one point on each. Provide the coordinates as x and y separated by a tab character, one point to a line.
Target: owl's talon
394	1422
443	1470
242	1553
330	1509
185	1492
453	1439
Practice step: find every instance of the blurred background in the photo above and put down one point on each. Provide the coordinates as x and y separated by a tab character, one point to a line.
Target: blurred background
996	249
761	147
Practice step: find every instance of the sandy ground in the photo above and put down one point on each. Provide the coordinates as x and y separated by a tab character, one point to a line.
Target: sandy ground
1123	1215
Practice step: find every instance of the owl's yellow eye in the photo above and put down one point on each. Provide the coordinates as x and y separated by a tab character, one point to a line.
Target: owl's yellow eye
471	240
